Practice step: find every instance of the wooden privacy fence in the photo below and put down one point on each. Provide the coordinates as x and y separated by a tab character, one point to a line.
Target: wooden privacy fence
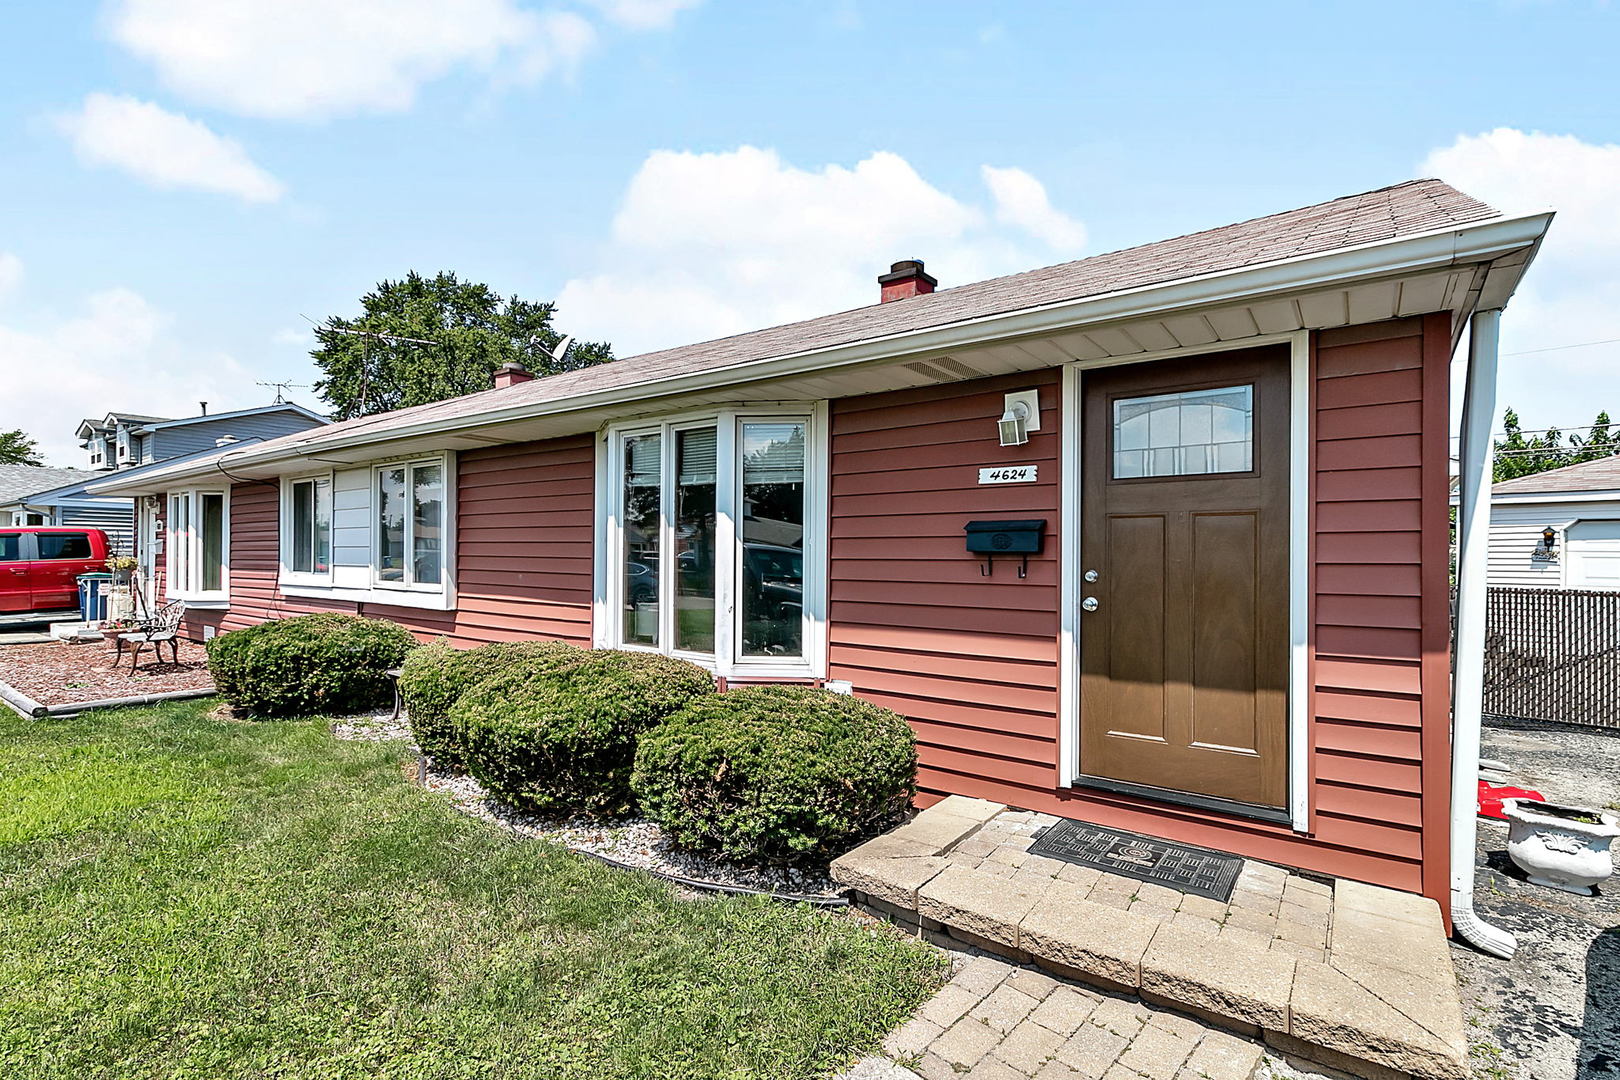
1553	654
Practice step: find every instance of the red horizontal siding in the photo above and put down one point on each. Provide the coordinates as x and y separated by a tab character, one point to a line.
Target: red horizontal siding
1378	612
973	660
524	532
914	624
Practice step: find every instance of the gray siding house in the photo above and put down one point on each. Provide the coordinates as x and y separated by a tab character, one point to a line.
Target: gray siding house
1577	509
127	443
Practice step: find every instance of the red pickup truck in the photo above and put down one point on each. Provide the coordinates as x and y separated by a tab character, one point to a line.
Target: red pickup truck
39	565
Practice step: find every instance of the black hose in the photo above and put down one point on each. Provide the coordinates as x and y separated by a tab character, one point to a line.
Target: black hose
715	887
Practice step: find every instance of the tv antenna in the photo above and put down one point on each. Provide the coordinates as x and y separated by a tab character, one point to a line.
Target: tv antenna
282	388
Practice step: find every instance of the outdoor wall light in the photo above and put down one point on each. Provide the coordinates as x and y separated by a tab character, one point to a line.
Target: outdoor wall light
1549	538
1021	414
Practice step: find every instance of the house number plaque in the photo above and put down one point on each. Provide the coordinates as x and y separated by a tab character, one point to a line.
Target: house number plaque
1008	474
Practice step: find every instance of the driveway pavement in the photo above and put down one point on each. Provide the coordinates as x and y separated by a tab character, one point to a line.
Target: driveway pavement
1553	1011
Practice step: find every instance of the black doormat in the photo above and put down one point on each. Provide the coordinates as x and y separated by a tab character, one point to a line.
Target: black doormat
1189	869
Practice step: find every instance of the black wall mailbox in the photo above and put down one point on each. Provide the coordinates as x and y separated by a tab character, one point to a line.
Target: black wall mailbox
992	538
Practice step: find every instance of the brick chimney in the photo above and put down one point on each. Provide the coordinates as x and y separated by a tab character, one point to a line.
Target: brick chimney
510	375
906	278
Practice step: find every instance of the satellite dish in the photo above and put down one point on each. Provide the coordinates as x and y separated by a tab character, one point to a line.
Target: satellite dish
561	350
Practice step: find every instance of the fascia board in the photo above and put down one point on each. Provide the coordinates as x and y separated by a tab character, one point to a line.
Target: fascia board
1440	248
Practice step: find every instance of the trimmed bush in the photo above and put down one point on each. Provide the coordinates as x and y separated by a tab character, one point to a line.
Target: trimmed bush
438	673
308	664
563	739
778	774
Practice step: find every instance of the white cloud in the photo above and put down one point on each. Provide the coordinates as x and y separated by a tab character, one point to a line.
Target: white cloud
312	58
644	14
11	272
164	149
1571	293
117	352
705	245
1021	201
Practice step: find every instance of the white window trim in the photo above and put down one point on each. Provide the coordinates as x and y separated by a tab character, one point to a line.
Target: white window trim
608	608
407	585
1299	504
286	575
441	597
177	590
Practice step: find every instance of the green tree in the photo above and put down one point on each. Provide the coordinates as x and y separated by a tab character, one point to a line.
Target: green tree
464	331
1518	454
1599	442
16	448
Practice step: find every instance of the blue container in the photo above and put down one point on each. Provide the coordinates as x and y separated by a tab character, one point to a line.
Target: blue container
94	596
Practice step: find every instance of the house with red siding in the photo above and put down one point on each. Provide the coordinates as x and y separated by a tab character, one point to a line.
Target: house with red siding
1156	539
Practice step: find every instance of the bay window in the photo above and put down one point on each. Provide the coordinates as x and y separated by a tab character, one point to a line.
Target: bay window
198	546
409	525
714	540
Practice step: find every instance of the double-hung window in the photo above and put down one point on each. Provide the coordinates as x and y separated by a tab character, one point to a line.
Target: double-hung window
307	543
409	528
715	540
198	549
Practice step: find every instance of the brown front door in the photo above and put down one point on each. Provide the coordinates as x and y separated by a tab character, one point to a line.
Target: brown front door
1184	577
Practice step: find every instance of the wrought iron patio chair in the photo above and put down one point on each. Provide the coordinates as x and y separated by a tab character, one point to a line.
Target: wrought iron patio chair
162	627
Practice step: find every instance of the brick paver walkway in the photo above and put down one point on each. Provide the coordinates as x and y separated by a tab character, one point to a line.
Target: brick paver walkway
996	1020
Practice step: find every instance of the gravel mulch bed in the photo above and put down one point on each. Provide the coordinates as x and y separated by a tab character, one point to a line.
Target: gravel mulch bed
56	673
633	841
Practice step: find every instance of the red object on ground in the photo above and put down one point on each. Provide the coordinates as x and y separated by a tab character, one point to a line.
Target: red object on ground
1491	796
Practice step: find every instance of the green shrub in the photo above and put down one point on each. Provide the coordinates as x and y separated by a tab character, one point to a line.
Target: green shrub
438	673
779	774
563	739
308	664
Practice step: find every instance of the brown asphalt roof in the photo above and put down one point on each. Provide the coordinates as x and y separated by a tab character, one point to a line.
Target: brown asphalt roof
1416	206
1600	475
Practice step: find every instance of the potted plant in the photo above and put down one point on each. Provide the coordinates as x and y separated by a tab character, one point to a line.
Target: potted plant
122	567
113	629
1563	847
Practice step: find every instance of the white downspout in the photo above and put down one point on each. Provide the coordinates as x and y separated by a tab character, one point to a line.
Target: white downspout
1468	686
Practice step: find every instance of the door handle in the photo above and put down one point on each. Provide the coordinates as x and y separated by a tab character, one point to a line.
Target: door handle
1089	603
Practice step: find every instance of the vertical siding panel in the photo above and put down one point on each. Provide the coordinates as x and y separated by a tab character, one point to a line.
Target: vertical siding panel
1436	611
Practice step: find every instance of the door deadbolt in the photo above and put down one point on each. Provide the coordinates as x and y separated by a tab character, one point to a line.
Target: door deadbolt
1092	575
1089	603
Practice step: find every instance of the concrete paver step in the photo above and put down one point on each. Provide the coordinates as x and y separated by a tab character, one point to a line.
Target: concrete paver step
1350	975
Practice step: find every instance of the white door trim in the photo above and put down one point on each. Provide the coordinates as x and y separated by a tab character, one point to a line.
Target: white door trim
1299	520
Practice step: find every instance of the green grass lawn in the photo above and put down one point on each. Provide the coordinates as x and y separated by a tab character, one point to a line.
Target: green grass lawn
186	897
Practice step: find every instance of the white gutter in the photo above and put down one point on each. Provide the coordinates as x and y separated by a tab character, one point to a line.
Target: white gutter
1451	246
1511	498
1468	686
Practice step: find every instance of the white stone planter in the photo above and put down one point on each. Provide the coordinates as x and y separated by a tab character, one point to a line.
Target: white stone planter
1550	845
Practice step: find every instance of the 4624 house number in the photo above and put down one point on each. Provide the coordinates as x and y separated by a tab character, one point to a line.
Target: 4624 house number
1008	474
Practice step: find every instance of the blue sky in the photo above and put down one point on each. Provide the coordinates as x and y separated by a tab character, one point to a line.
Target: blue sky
182	180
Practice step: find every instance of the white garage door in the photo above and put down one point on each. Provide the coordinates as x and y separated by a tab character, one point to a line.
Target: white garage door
1593	551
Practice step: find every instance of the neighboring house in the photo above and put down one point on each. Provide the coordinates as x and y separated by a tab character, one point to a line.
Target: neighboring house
19	482
1578	508
126	443
1234	631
